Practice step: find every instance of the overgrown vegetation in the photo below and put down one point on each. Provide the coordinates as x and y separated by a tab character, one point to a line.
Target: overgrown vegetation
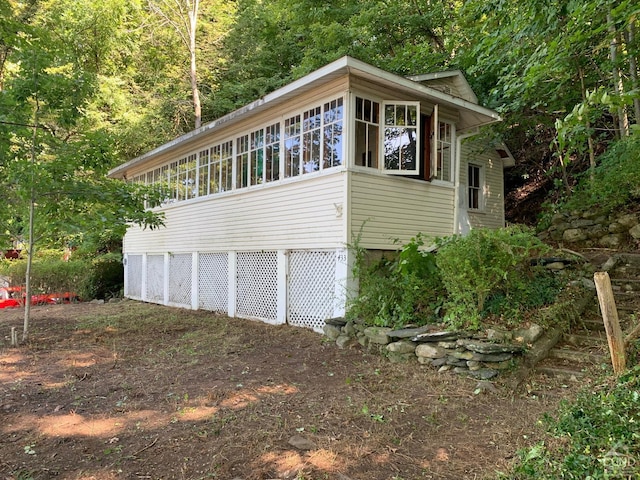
487	273
616	181
97	277
597	437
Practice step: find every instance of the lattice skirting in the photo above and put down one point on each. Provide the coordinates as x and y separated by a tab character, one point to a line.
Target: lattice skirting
300	287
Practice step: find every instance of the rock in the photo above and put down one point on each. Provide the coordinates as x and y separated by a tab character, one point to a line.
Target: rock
466	355
349	329
611	241
628	221
597	231
96	301
582	223
635	232
610	263
456	362
344	341
364	341
572	235
555	266
410	332
615	227
436	362
437	336
500	365
425	361
402	346
336	321
451	344
483	387
301	443
378	335
483	373
332	332
489	348
498	334
430	351
590	214
492	357
444	368
557	218
461	370
528	335
395	357
114	300
473	365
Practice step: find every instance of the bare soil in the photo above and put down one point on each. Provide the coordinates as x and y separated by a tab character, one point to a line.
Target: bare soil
136	391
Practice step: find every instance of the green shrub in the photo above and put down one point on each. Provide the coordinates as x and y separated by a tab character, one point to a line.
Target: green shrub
485	270
596	437
616	182
393	292
49	273
101	277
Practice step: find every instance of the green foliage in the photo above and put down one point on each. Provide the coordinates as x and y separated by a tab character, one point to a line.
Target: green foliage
405	289
597	437
483	264
51	274
616	180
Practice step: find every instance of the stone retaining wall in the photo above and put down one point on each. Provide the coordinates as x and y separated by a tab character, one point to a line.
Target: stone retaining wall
592	229
481	355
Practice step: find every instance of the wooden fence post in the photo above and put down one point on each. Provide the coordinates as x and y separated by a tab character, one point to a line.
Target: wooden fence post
610	319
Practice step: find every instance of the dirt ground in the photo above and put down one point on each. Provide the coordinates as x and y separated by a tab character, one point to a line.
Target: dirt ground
136	391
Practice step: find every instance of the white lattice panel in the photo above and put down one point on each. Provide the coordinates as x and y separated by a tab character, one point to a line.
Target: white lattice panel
257	287
180	279
134	276
213	285
155	278
311	288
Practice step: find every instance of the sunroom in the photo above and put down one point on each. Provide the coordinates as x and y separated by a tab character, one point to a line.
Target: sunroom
263	202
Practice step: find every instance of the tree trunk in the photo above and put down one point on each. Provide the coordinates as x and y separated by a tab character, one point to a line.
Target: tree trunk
193	73
32	211
633	68
623	122
592	154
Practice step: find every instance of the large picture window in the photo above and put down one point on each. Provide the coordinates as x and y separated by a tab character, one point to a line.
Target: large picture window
311	135
400	138
333	112
292	141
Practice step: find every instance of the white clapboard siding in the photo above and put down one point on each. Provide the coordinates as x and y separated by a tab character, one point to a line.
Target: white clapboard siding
384	208
301	214
492	213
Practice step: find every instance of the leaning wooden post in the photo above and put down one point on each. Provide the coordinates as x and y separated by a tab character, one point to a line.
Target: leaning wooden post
610	319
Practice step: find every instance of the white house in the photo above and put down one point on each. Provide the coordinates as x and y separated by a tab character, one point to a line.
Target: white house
265	200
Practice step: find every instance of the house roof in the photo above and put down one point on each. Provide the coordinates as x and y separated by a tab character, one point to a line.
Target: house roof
452	82
472	115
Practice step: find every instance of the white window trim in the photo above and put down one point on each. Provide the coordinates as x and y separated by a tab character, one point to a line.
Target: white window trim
381	155
481	187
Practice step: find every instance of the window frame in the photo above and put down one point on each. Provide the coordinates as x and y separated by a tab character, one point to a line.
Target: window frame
479	189
384	126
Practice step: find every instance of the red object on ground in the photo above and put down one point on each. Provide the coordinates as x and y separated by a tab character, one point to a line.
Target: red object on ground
11	297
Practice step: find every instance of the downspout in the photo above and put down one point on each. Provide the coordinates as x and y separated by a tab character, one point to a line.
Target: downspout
456	195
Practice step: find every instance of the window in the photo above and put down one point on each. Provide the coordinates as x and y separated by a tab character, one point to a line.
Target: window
444	155
204	165
333	111
400	139
311	134
474	180
242	161
292	140
272	153
221	179
306	142
367	128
